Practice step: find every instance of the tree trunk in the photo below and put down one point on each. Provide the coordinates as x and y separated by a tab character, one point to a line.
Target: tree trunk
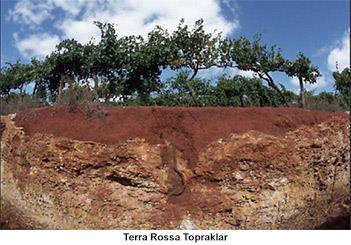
271	83
302	94
62	85
21	89
242	101
192	91
69	80
95	86
35	88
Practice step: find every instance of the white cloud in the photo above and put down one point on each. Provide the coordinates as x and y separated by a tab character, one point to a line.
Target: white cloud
340	54
131	16
30	13
82	31
140	17
72	7
248	74
215	72
37	45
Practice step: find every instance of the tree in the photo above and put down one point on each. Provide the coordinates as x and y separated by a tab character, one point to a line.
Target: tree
15	76
343	85
65	64
145	62
6	80
305	71
243	91
132	64
175	92
91	68
39	73
258	58
228	91
194	50
106	61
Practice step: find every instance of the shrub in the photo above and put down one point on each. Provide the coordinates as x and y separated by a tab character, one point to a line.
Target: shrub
75	96
14	103
325	101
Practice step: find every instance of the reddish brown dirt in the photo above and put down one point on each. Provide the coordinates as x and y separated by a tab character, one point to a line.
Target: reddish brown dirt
237	181
189	129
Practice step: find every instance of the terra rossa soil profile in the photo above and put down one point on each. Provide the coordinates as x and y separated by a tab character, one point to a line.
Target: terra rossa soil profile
172	168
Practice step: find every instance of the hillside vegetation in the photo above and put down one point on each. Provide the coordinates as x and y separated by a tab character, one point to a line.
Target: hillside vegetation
127	71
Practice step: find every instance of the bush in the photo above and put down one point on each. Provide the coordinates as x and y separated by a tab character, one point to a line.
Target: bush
14	103
241	91
75	96
325	101
175	92
82	98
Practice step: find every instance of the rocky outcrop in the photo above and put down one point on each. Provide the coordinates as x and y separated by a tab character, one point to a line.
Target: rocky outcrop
298	181
250	180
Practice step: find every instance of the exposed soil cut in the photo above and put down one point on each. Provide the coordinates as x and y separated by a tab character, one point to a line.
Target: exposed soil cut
170	168
188	129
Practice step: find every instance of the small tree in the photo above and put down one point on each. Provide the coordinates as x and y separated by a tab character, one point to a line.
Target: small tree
194	50
6	81
66	64
343	85
131	64
258	58
91	68
305	71
39	73
243	91
15	76
107	60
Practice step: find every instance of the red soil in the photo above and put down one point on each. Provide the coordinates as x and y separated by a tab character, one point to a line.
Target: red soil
189	129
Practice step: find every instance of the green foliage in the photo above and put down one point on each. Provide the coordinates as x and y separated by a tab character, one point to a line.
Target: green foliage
324	101
175	92
132	64
130	67
236	91
256	57
343	86
6	81
242	91
105	60
14	76
65	65
75	96
194	49
253	56
14	103
305	71
303	68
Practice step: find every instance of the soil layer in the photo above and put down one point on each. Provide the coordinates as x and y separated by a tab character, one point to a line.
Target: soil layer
171	168
188	129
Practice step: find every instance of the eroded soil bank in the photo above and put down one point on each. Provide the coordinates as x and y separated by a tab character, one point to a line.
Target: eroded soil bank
170	168
190	130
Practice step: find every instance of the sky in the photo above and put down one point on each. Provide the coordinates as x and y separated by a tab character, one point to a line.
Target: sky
318	28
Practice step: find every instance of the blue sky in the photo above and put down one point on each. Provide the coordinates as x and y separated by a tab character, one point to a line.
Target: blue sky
319	28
